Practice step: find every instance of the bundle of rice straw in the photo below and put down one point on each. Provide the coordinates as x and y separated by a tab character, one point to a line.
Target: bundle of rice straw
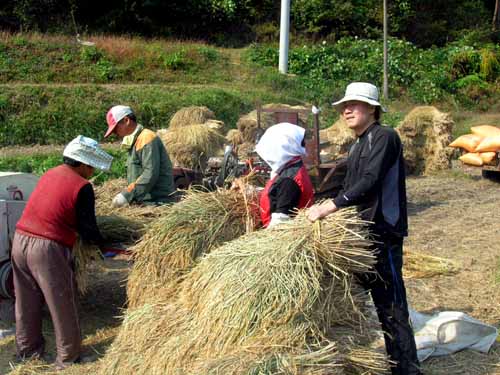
426	133
234	137
191	115
190	228
418	265
84	256
122	224
191	145
280	301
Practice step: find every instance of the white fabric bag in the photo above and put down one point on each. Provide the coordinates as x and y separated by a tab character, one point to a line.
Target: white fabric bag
448	332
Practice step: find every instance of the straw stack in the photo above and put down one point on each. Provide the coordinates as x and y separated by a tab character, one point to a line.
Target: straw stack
190	115
280	301
190	228
190	146
426	133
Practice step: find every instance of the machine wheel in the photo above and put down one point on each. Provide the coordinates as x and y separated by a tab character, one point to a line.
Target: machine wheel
6	280
228	167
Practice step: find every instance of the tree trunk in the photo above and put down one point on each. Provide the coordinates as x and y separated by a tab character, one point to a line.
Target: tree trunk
495	15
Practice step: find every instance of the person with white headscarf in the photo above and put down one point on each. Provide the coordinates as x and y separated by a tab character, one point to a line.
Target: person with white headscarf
290	187
61	206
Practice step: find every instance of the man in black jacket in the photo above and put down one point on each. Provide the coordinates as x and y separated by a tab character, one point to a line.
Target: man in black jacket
375	183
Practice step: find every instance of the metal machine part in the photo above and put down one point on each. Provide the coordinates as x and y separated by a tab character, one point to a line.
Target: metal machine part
15	189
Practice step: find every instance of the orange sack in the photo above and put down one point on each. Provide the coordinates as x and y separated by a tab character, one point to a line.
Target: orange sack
485	130
468	142
489	144
487	156
471	159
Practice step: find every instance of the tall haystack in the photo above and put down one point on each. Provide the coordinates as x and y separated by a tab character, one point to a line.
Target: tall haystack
191	115
192	145
426	133
190	228
336	139
247	124
281	301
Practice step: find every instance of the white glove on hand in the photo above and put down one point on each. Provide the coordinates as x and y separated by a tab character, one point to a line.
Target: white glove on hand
278	218
119	201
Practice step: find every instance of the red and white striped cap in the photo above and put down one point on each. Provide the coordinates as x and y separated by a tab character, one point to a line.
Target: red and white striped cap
114	115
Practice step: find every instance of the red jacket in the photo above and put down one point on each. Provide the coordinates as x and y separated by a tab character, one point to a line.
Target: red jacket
50	211
302	179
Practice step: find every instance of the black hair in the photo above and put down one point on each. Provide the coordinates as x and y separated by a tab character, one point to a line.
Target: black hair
378	112
71	162
132	117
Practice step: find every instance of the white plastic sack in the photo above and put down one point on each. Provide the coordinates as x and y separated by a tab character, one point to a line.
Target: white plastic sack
449	332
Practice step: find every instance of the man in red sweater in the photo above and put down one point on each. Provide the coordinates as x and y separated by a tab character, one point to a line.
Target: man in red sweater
61	206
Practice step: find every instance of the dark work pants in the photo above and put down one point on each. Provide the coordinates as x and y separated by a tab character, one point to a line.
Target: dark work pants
389	296
42	272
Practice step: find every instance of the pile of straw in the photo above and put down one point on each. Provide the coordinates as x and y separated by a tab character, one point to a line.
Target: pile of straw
339	138
426	134
281	301
234	137
192	145
418	265
190	228
122	224
191	115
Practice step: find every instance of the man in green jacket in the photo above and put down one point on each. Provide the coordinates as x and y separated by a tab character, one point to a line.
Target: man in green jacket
149	169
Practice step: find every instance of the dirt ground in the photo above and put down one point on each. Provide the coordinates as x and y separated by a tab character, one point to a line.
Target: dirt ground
452	215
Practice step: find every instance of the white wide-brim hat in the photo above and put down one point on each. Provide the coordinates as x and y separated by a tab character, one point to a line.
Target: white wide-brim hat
361	92
87	151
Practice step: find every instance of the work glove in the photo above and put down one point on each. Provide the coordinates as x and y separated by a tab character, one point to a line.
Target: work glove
119	201
278	218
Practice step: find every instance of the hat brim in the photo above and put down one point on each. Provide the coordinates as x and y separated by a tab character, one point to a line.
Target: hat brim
110	130
359	98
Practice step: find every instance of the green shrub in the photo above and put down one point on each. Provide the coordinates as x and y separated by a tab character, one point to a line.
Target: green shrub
176	60
55	115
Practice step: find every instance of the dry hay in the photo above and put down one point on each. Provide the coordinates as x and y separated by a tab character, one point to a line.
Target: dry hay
234	137
216	125
280	301
122	224
84	256
190	228
426	133
190	115
338	139
247	124
418	265
245	150
192	145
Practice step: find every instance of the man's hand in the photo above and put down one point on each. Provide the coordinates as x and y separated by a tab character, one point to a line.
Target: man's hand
319	211
119	201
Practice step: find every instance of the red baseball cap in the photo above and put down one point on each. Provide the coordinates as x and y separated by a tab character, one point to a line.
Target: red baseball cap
115	115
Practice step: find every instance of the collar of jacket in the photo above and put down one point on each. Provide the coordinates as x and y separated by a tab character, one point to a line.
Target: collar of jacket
129	140
368	129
